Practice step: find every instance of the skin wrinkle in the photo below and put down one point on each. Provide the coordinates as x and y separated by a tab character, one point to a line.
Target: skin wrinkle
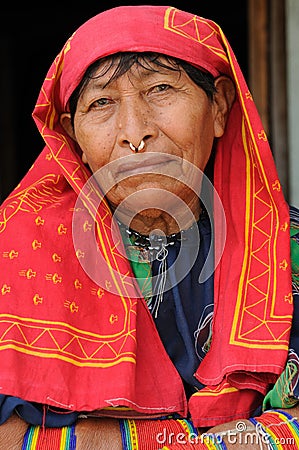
166	126
160	108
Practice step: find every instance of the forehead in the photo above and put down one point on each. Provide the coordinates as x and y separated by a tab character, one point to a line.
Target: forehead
142	66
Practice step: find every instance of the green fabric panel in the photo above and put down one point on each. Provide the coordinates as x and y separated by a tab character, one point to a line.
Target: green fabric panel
295	260
280	395
140	264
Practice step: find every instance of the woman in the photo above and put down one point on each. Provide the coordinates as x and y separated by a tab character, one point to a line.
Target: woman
141	108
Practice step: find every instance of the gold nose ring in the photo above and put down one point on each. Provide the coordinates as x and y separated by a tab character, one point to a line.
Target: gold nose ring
137	149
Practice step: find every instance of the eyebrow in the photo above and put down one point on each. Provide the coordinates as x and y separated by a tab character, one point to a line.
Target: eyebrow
102	81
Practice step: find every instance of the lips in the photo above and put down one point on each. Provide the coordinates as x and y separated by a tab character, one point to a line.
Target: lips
139	164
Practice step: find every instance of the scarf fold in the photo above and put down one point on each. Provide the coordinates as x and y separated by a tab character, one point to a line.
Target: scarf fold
70	342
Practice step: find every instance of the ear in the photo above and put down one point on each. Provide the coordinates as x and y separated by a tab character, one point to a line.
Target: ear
223	101
66	123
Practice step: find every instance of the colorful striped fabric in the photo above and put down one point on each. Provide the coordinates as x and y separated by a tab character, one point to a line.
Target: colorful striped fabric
152	434
41	438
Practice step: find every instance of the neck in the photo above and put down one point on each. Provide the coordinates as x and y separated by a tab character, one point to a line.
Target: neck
149	220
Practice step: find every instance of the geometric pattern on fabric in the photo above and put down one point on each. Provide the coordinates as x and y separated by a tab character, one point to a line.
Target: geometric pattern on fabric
190	30
52	338
58	340
260	264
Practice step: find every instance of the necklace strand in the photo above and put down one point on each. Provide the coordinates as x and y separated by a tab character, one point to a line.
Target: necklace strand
154	242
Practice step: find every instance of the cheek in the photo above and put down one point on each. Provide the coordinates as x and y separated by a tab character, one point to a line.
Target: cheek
95	148
198	139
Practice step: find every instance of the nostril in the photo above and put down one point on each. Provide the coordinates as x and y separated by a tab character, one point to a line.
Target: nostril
137	148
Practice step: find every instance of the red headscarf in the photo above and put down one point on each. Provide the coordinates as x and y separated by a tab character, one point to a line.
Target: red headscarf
65	341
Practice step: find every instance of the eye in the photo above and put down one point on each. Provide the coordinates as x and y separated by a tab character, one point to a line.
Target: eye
161	87
101	102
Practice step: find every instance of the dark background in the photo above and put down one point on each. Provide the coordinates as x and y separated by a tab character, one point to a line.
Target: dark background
30	39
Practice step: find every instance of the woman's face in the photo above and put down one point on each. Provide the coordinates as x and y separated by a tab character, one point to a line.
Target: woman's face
165	109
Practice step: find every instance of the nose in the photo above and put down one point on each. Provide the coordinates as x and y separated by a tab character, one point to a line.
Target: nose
136	125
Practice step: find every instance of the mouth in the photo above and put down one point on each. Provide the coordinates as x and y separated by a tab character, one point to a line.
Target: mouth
140	164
